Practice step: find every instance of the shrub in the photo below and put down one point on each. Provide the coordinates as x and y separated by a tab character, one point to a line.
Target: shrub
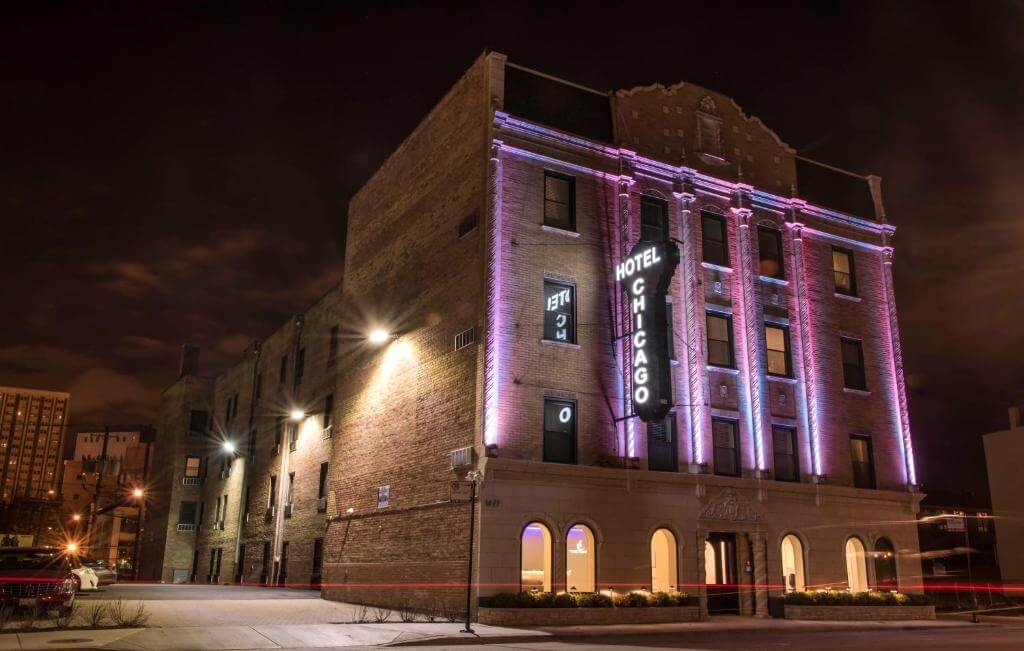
583	600
633	600
846	598
592	600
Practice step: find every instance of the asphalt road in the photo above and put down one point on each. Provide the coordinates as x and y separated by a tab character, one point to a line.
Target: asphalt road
188	592
980	637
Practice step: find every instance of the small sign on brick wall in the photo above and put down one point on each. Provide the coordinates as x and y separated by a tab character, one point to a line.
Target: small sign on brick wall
383	496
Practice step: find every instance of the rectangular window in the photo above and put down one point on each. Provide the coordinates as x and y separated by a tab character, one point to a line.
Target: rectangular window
265	567
192	465
227	412
259	385
272	500
252	445
777	344
300	366
843	272
332	346
282	373
653	219
328	410
662	446
322	487
853	364
863	461
291	488
278	430
769	249
247	499
187	513
784	448
715	242
559	201
726	446
720	350
199	423
559	312
559	431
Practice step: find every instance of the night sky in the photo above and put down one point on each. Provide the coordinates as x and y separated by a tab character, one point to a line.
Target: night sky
182	174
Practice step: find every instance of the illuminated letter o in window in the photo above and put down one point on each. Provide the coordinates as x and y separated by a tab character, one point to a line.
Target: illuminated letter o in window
565	414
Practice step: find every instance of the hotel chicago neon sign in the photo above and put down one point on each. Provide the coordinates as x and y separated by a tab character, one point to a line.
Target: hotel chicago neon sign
645	275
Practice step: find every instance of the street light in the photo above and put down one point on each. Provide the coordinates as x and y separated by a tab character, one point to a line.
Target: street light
137	493
228	447
297	415
378	336
77	517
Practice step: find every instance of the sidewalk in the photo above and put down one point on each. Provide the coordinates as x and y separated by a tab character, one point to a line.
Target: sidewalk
312	636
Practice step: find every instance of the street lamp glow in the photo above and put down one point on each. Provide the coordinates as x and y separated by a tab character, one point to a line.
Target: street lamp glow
137	492
72	547
378	336
229	447
297	415
76	517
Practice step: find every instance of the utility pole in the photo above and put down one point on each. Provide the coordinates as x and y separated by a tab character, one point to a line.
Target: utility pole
102	462
472	476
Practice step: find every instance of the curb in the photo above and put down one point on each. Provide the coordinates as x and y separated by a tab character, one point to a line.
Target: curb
550	636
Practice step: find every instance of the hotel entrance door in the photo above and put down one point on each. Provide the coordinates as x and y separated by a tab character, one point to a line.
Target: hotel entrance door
720	573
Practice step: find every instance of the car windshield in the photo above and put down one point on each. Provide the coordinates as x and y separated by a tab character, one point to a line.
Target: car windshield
34	559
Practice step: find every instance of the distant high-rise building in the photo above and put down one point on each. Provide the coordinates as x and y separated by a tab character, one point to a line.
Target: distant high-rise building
32	426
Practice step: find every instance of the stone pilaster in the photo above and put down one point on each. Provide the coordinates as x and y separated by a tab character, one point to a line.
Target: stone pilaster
691	297
760	575
750	357
702	590
896	359
805	358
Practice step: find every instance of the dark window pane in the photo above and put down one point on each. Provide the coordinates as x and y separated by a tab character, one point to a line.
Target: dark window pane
720	351
560	431
662	446
777	345
726	447
769	248
715	242
784	447
559	201
842	272
199	423
853	364
559	312
863	463
653	219
187	513
671	331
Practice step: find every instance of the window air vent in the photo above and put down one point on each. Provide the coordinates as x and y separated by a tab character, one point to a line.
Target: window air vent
465	338
462	457
326	432
191	481
321	504
287	510
182	526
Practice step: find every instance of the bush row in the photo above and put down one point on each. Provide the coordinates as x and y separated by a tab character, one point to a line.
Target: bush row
845	598
584	600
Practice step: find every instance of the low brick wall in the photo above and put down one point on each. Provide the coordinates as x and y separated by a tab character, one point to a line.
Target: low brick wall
858	613
577	616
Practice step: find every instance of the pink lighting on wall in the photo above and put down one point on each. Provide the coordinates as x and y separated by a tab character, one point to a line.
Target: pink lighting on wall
495	311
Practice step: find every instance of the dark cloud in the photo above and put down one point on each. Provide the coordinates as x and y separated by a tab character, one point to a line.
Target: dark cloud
178	175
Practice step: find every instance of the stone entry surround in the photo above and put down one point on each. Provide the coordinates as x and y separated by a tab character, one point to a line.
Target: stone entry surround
625	507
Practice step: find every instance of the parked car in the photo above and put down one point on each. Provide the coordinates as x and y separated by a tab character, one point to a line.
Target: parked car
32	577
87	579
105	572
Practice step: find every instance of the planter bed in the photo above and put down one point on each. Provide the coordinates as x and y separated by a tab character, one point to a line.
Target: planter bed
578	616
859	613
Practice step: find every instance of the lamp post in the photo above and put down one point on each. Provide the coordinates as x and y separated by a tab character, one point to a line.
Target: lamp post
473	476
140	499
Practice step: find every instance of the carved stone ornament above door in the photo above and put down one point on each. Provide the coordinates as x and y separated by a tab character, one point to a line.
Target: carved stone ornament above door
730	506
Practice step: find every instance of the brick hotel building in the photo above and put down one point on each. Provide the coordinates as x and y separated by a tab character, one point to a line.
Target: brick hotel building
486	245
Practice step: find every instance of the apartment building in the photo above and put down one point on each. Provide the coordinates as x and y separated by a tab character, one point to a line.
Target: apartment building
241	493
1003	451
748	427
585	340
32	426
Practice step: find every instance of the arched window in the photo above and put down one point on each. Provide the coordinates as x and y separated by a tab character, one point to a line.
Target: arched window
663	561
579	559
885	565
856	569
535	559
793	564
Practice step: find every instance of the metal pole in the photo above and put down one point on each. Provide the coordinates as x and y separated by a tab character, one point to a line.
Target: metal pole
472	528
970	575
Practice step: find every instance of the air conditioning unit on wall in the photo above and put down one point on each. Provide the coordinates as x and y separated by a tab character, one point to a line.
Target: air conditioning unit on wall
463	457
